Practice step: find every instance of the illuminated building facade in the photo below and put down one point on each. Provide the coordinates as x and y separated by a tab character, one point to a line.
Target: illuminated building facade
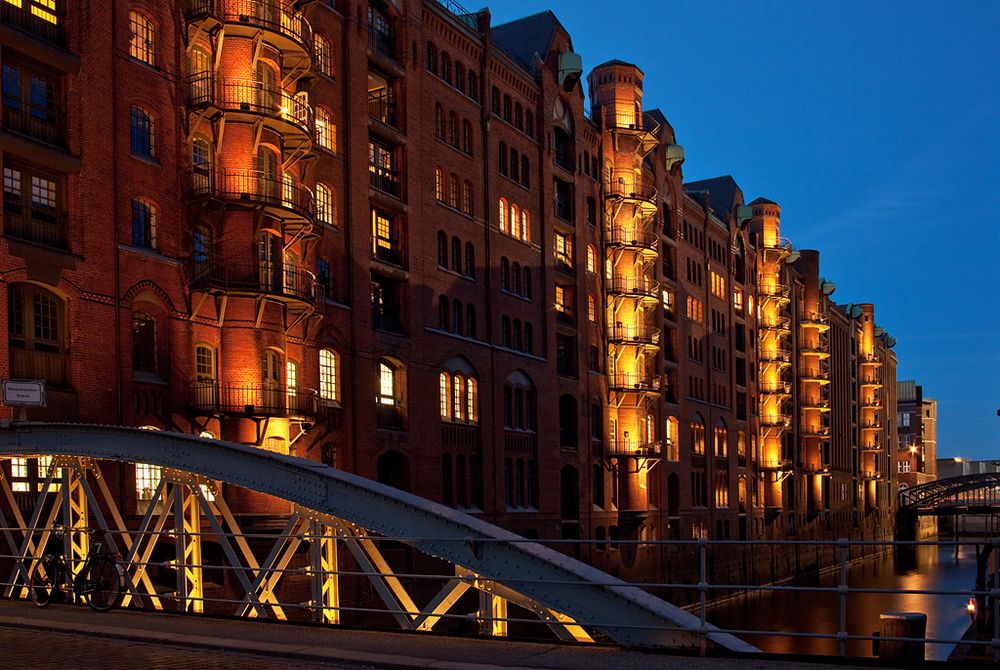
916	419
390	236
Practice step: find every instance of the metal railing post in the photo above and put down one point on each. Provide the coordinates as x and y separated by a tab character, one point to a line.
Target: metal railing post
994	590
844	548
703	593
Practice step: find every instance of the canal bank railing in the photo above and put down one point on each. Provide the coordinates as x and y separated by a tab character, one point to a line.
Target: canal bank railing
369	581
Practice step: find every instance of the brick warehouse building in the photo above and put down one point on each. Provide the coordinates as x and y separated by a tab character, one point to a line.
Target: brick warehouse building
391	236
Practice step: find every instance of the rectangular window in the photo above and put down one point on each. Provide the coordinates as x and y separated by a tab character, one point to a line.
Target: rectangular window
563	250
147	478
718	284
738	299
695	311
31	204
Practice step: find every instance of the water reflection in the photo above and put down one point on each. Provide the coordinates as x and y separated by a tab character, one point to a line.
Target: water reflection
924	568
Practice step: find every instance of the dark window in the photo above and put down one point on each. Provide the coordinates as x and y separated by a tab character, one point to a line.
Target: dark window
143	343
470	260
143	224
442	249
35	332
563	192
456	254
143	142
470	321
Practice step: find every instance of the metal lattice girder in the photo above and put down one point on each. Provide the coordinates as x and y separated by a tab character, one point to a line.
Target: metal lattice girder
576	591
941	490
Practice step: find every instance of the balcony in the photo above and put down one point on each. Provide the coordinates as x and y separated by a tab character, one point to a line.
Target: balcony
39	123
818	351
778	324
641	287
776	465
777	357
41	225
776	421
872	402
629	334
822	405
629	186
871	448
815	469
622	119
872	379
288	31
872	475
563	262
869	359
244	100
384	179
382	107
780	388
642	238
278	400
775	291
872	424
818	374
630	447
634	382
780	247
815	320
30	20
280	198
815	431
290	284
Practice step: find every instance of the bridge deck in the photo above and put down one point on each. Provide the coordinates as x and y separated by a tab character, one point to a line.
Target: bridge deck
278	645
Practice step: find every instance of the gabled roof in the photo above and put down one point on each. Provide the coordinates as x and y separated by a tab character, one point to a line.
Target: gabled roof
523	38
721	193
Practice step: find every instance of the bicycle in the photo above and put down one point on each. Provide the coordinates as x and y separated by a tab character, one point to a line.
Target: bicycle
99	581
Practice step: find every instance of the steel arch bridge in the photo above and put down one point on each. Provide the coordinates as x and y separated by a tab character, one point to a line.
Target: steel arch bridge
332	509
971	494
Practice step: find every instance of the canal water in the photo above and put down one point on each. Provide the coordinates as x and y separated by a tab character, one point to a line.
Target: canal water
932	568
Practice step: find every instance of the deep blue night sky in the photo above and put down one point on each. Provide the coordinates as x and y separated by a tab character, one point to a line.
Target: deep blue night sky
876	126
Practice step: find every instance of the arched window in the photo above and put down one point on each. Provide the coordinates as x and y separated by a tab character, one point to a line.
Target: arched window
518	116
515	219
201	249
143	138
328	376
458	391
507	108
443	321
514	172
438	122
515	275
526	291
446	66
591	259
459	77
502	219
324	59
36	332
502	158
326	132
529	123
142	38
525	226
522	410
432	57
569	493
456	254
467	197
504	273
670	440
473	85
470	260
324	204
563	148
470	321
591	308
597	491
457	321
721	439
143	223
525	178
505	330
452	129
144	358
495	100
467	137
439	184
529	339
698	434
442	245
453	190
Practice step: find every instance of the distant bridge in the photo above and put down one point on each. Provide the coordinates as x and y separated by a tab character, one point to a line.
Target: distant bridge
977	494
302	568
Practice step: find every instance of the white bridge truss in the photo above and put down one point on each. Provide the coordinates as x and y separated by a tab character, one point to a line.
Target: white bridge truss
330	509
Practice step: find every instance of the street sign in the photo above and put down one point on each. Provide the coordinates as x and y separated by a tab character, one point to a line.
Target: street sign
24	393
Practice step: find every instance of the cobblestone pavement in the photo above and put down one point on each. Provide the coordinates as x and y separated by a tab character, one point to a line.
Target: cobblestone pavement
26	649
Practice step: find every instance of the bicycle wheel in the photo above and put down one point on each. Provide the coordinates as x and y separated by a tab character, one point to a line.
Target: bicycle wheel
42	586
100	584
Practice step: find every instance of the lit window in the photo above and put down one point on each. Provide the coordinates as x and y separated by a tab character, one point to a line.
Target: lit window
453	190
591	259
738	299
439	184
143	224
142	38
324	204
502	221
326	132
386	385
718	285
45	469
43	193
327	375
12	182
292	382
471	413
592	308
324	64
147	478
19	474
695	310
143	140
444	383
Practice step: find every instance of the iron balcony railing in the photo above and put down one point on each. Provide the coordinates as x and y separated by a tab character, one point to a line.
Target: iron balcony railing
382	41
776	388
640	334
259	277
252	97
782	245
270	15
623	119
382	107
32	19
775	356
639	237
389	415
629	185
461	13
775	290
776	464
820	372
873	378
814	350
634	381
778	323
39	123
814	319
563	261
252	187
776	421
870	359
262	399
628	446
640	286
872	424
384	179
40	225
815	431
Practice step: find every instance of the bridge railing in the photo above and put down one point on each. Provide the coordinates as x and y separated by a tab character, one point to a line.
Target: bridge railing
357	562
